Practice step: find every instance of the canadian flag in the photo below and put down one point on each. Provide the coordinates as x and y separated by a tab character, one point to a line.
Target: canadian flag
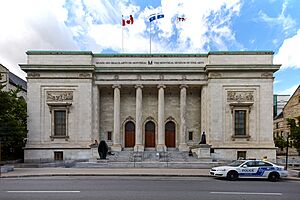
127	21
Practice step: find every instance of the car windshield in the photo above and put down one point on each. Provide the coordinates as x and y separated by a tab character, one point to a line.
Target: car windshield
236	163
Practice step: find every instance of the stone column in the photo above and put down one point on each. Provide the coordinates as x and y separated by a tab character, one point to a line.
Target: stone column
204	113
96	114
182	143
161	119
138	124
116	134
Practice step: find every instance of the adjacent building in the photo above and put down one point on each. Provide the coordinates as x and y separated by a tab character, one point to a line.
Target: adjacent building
279	103
149	102
10	81
291	110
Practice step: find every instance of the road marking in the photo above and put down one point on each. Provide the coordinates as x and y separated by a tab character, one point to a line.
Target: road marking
38	191
248	193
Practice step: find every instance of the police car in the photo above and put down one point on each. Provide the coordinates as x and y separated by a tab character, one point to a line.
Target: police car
250	168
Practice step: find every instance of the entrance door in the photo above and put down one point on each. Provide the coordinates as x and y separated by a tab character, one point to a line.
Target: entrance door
129	134
149	134
170	134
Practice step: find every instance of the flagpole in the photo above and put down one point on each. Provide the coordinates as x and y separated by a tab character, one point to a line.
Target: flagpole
150	36
122	39
122	35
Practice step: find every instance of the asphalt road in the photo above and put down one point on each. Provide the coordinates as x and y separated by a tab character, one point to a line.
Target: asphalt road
146	188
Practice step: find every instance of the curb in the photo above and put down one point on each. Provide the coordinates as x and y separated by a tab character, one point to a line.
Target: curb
124	175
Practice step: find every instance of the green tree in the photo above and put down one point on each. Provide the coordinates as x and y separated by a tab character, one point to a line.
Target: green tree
280	142
13	123
295	132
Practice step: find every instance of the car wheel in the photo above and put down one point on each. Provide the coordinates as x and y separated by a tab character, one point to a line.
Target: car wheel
273	176
232	175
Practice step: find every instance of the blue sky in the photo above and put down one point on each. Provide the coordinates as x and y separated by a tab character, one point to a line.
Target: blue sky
95	25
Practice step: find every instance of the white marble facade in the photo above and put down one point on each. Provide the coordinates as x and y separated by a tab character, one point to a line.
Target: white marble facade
140	102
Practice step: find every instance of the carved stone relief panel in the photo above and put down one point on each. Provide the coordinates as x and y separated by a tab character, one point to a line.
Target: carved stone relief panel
84	75
267	75
33	75
240	96
59	96
215	75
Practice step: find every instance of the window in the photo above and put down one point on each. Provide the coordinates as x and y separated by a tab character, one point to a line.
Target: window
263	164
58	155
241	155
190	135
240	122
60	123
240	119
109	135
251	164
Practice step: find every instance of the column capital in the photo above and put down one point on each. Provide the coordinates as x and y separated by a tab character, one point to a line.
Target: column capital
116	86
138	86
161	86
183	86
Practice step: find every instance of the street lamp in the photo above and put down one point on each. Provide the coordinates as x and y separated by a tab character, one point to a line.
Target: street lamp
287	150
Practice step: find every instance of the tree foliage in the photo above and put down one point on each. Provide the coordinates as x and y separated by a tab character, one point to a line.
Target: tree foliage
295	132
13	123
280	142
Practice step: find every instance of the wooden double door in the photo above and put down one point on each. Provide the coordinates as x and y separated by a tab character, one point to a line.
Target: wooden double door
170	136
170	140
149	134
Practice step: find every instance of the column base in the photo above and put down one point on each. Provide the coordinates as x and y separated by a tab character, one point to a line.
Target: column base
183	147
161	148
116	147
139	148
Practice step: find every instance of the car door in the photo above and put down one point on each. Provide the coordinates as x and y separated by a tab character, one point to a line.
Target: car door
264	168
249	169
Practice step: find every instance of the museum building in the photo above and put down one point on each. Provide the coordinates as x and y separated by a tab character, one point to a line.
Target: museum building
149	102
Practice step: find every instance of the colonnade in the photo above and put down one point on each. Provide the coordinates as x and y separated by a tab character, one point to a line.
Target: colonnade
139	146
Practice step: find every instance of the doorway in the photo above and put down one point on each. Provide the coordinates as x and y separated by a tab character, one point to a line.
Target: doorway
170	134
129	134
149	134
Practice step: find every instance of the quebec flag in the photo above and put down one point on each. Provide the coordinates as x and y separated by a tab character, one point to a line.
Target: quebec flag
156	16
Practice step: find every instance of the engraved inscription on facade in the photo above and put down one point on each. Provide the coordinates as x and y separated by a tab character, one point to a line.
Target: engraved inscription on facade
59	96
240	96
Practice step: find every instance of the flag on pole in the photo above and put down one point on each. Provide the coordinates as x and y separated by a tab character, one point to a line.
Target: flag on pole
181	19
160	16
155	17
152	18
127	21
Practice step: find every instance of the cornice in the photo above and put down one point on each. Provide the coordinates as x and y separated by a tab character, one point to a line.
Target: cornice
35	67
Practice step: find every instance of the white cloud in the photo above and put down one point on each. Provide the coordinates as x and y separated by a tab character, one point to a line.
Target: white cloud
288	54
31	24
289	91
286	21
96	26
213	16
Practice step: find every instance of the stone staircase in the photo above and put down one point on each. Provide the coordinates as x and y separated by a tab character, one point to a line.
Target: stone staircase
152	156
148	159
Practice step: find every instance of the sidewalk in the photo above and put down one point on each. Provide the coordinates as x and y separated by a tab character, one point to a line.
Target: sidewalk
34	172
57	171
